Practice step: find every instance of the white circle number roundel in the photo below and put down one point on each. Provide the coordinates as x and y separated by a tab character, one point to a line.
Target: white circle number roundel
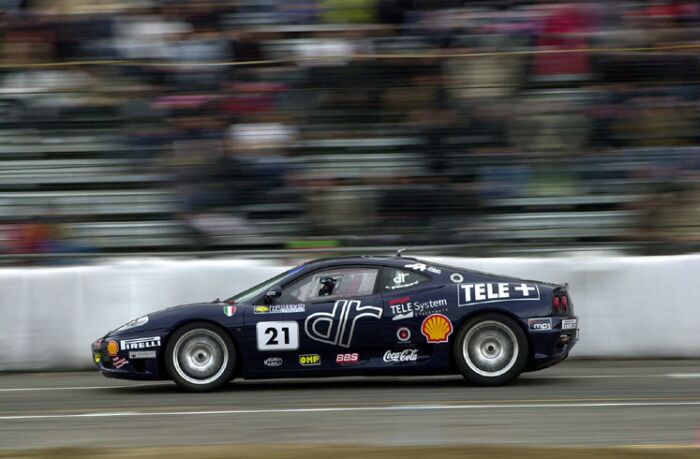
277	336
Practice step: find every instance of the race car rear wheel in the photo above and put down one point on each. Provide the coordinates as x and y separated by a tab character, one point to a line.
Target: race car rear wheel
491	350
200	357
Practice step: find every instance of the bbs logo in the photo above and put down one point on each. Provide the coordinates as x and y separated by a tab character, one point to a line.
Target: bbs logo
347	358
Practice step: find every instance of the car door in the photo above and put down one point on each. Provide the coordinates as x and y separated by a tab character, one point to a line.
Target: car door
327	319
415	316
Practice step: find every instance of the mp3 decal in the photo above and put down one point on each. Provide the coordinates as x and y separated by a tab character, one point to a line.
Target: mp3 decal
322	326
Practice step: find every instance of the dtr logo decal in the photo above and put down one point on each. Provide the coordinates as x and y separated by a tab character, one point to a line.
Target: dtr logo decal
321	327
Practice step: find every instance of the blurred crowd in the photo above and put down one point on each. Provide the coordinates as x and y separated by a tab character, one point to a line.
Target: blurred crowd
492	126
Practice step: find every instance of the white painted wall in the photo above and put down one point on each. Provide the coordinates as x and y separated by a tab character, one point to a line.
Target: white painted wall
631	307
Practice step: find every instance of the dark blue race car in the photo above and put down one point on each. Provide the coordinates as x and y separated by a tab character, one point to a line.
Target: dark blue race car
352	316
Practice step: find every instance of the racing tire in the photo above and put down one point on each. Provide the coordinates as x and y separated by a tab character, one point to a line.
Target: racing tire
491	350
200	357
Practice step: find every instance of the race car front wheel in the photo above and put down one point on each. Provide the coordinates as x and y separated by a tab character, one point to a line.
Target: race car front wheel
200	357
491	350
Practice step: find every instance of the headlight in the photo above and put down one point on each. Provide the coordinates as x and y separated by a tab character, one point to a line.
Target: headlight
133	323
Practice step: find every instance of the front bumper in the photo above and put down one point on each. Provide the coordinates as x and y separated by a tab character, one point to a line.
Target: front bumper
117	357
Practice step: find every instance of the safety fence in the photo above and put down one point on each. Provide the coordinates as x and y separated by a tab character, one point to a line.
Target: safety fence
629	307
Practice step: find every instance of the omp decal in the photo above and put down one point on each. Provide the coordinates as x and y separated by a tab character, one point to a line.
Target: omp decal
277	336
309	360
493	292
436	328
322	326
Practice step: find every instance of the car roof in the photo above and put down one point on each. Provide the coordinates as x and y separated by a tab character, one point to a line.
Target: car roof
401	261
362	260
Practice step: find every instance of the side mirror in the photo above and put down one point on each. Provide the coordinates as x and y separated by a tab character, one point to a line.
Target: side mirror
274	292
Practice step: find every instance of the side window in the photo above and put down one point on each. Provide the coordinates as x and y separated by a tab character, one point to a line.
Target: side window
397	279
336	283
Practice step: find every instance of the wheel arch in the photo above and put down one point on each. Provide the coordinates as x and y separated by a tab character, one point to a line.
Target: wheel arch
164	345
470	315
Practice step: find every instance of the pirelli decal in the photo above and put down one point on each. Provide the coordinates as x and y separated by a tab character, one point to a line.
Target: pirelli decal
493	292
140	343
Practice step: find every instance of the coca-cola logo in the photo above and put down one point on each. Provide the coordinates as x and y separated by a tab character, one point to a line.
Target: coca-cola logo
407	355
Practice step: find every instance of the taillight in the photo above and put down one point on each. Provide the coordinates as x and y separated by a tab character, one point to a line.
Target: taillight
560	303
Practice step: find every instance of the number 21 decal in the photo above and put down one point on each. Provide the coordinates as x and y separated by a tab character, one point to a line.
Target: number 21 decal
277	336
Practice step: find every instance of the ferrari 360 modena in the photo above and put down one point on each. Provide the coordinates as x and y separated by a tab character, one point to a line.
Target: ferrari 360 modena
351	316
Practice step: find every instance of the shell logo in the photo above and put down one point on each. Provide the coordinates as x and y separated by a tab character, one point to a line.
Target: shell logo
436	328
112	348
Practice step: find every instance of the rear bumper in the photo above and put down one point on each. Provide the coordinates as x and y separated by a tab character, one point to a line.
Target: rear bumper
552	346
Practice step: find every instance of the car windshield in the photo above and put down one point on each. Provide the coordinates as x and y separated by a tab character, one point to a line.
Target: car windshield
247	295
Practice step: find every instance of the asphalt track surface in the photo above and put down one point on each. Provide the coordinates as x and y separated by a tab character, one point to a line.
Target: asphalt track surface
573	404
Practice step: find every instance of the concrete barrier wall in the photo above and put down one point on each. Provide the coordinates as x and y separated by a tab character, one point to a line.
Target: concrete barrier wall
49	316
632	307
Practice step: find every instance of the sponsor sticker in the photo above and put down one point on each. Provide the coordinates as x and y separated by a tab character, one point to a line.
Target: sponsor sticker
457	278
142	354
403	334
229	310
423	267
493	292
119	362
324	328
309	360
140	343
436	328
399	281
277	336
112	348
407	355
569	324
347	358
279	308
540	324
404	308
272	361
